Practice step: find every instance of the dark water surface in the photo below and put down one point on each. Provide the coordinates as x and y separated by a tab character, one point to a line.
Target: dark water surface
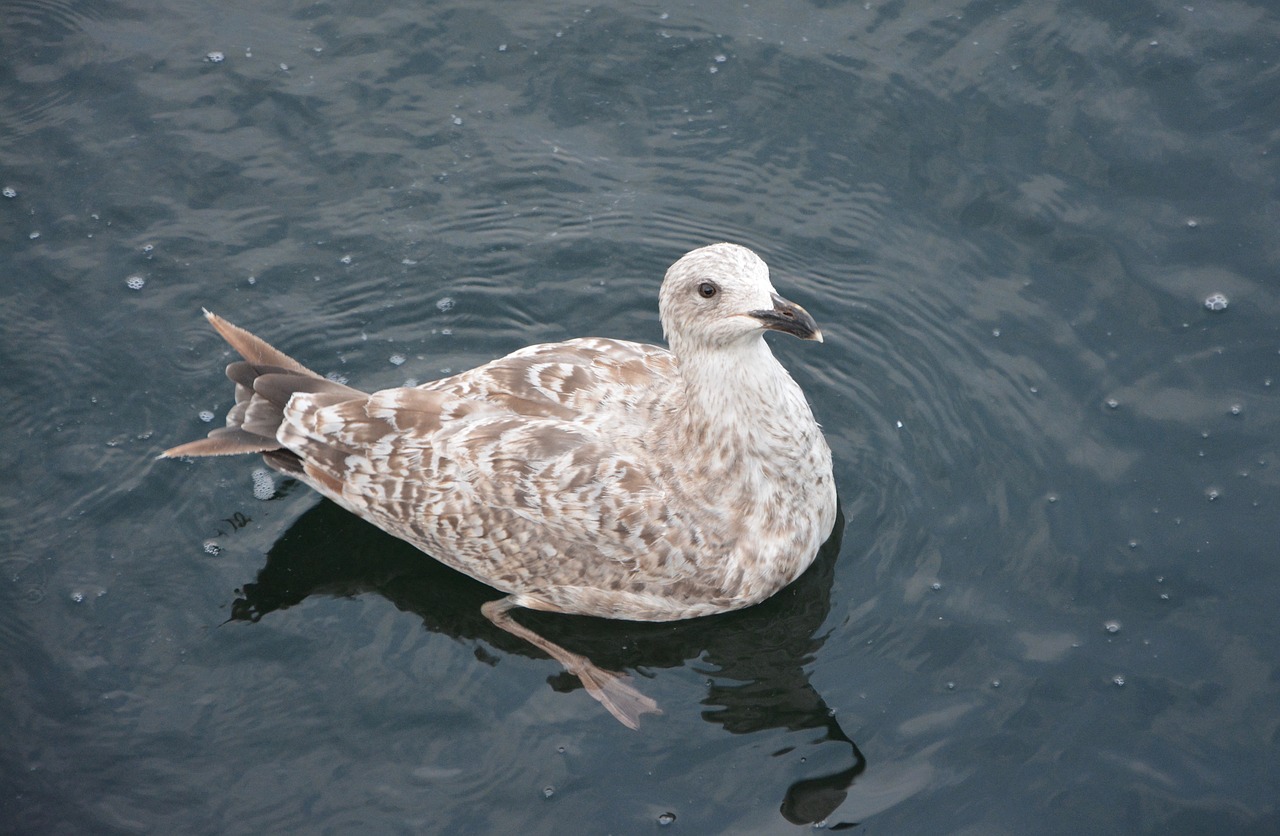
1053	607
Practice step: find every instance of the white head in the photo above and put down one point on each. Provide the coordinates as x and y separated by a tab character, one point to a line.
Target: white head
720	296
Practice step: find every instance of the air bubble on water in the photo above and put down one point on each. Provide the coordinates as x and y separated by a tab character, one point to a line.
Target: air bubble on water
10	192
1216	302
502	47
446	332
445	304
1118	679
951	686
995	332
207	415
284	68
252	280
34	235
548	791
1052	498
77	596
211	547
720	59
1112	403
456	119
135	282
665	819
346	259
147	248
396	359
336	377
935	586
995	683
1236	409
1112	626
1133	544
1192	223
215	57
264	487
1212	494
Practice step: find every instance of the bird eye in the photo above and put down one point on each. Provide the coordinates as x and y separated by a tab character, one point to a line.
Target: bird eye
707	289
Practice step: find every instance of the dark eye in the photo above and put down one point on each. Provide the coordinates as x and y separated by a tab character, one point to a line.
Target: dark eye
707	289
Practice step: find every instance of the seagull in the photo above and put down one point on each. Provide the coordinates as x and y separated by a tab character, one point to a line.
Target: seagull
595	476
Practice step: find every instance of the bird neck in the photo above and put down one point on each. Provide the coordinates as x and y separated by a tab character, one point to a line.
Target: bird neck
759	467
741	398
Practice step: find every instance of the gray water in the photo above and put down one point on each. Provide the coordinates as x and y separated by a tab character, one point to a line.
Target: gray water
1051	605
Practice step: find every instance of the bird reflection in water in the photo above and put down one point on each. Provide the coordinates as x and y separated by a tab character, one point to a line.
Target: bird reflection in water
755	657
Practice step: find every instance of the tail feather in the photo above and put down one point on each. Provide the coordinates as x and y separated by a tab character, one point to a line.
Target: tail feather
224	441
254	349
265	381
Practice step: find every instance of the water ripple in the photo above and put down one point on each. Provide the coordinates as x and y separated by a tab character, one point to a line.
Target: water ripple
48	50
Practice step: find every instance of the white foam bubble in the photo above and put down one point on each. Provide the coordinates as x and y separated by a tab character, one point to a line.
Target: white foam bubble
264	487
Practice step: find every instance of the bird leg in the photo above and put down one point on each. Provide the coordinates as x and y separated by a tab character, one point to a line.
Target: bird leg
612	690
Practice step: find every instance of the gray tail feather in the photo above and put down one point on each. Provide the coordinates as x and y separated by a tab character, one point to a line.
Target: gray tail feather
265	380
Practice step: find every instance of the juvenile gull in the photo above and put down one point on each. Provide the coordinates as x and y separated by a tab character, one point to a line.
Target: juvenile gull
594	476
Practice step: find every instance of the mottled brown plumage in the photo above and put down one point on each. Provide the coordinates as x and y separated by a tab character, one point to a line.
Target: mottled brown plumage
595	476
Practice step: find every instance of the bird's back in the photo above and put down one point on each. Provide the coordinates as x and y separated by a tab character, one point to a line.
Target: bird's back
535	473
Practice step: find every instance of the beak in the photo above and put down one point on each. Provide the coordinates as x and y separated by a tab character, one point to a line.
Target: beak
789	318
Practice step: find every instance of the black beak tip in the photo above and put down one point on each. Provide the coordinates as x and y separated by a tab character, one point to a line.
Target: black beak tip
789	318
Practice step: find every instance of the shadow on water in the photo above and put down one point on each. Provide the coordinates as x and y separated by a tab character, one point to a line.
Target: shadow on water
758	654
